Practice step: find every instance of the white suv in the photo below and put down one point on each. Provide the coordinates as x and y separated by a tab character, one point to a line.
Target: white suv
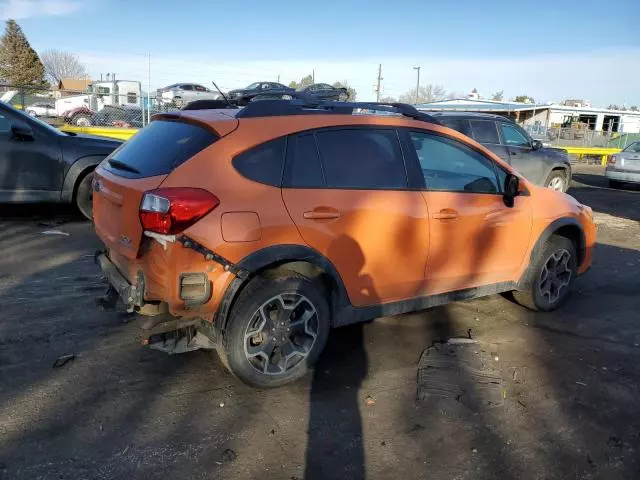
179	94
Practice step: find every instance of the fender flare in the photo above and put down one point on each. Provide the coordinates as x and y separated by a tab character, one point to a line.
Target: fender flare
75	171
551	229
272	257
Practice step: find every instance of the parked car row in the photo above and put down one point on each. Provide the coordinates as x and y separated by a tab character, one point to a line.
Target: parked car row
180	94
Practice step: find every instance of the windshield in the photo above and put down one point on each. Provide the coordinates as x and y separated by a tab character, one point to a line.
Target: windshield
253	85
633	148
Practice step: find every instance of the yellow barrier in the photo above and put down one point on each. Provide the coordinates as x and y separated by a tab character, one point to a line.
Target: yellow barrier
598	151
113	132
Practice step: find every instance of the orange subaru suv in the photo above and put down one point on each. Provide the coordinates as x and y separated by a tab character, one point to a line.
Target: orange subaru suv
254	231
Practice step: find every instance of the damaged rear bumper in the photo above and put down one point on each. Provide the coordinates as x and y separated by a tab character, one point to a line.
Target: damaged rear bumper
161	330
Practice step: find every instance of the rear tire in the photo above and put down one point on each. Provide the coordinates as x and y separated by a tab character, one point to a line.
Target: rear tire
552	276
277	329
84	196
615	184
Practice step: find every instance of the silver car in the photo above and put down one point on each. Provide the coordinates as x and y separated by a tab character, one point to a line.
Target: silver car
179	94
624	167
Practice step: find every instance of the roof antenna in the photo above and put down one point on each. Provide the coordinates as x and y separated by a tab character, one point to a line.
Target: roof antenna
223	95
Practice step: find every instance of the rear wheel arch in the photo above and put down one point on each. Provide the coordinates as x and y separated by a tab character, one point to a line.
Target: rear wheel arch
280	259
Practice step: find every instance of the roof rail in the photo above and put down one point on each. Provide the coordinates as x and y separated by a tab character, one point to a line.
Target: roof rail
305	104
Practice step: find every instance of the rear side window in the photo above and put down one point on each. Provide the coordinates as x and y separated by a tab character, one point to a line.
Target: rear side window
159	148
459	124
362	158
485	131
263	163
303	163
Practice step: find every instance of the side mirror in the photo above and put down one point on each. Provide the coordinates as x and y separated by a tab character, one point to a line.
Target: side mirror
511	189
21	131
536	144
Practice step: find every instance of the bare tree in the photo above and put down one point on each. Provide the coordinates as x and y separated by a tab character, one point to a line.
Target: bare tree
428	93
388	100
498	96
60	64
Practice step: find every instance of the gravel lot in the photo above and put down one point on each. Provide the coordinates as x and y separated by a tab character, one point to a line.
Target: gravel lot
570	379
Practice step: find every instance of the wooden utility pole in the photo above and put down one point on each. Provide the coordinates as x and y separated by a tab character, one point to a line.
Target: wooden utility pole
378	84
417	84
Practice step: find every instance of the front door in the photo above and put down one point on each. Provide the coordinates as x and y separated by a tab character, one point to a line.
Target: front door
31	168
346	191
522	156
475	239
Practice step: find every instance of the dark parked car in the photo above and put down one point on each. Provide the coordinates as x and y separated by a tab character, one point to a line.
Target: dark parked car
39	163
325	91
266	90
117	116
549	167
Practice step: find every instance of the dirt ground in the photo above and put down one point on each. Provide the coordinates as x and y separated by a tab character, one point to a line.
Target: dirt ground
570	391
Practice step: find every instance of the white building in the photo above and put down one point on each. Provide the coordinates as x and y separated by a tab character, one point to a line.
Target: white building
546	115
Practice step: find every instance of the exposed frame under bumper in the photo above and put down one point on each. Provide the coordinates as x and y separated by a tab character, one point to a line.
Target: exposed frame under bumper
131	295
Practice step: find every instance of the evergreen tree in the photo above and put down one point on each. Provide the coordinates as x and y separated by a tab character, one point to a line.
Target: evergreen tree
19	63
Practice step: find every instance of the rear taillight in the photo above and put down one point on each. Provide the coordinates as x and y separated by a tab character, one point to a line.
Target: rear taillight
172	210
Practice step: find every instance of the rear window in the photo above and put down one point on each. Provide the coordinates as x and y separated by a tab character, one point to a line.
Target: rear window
159	148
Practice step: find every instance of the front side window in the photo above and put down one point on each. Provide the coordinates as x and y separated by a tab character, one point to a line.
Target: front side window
485	131
450	166
513	136
364	158
5	124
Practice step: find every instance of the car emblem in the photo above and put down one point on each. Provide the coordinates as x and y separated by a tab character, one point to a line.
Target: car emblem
125	240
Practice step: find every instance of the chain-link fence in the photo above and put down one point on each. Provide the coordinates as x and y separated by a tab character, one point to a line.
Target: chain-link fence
580	137
100	104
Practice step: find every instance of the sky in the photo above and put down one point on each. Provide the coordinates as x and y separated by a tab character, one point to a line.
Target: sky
550	50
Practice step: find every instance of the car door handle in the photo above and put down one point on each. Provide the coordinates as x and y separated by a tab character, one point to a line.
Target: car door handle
321	215
446	214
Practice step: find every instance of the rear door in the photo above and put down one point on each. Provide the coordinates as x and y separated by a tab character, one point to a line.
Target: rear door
346	190
485	132
522	156
139	165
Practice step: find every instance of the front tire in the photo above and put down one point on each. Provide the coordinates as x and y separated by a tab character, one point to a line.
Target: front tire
557	181
84	196
82	120
552	276
277	329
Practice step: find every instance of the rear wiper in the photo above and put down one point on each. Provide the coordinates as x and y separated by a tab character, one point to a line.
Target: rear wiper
122	166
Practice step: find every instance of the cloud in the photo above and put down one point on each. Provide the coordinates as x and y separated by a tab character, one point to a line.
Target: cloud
20	9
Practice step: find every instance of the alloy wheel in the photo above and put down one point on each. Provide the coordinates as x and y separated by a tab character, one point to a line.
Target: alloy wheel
555	276
281	333
557	184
